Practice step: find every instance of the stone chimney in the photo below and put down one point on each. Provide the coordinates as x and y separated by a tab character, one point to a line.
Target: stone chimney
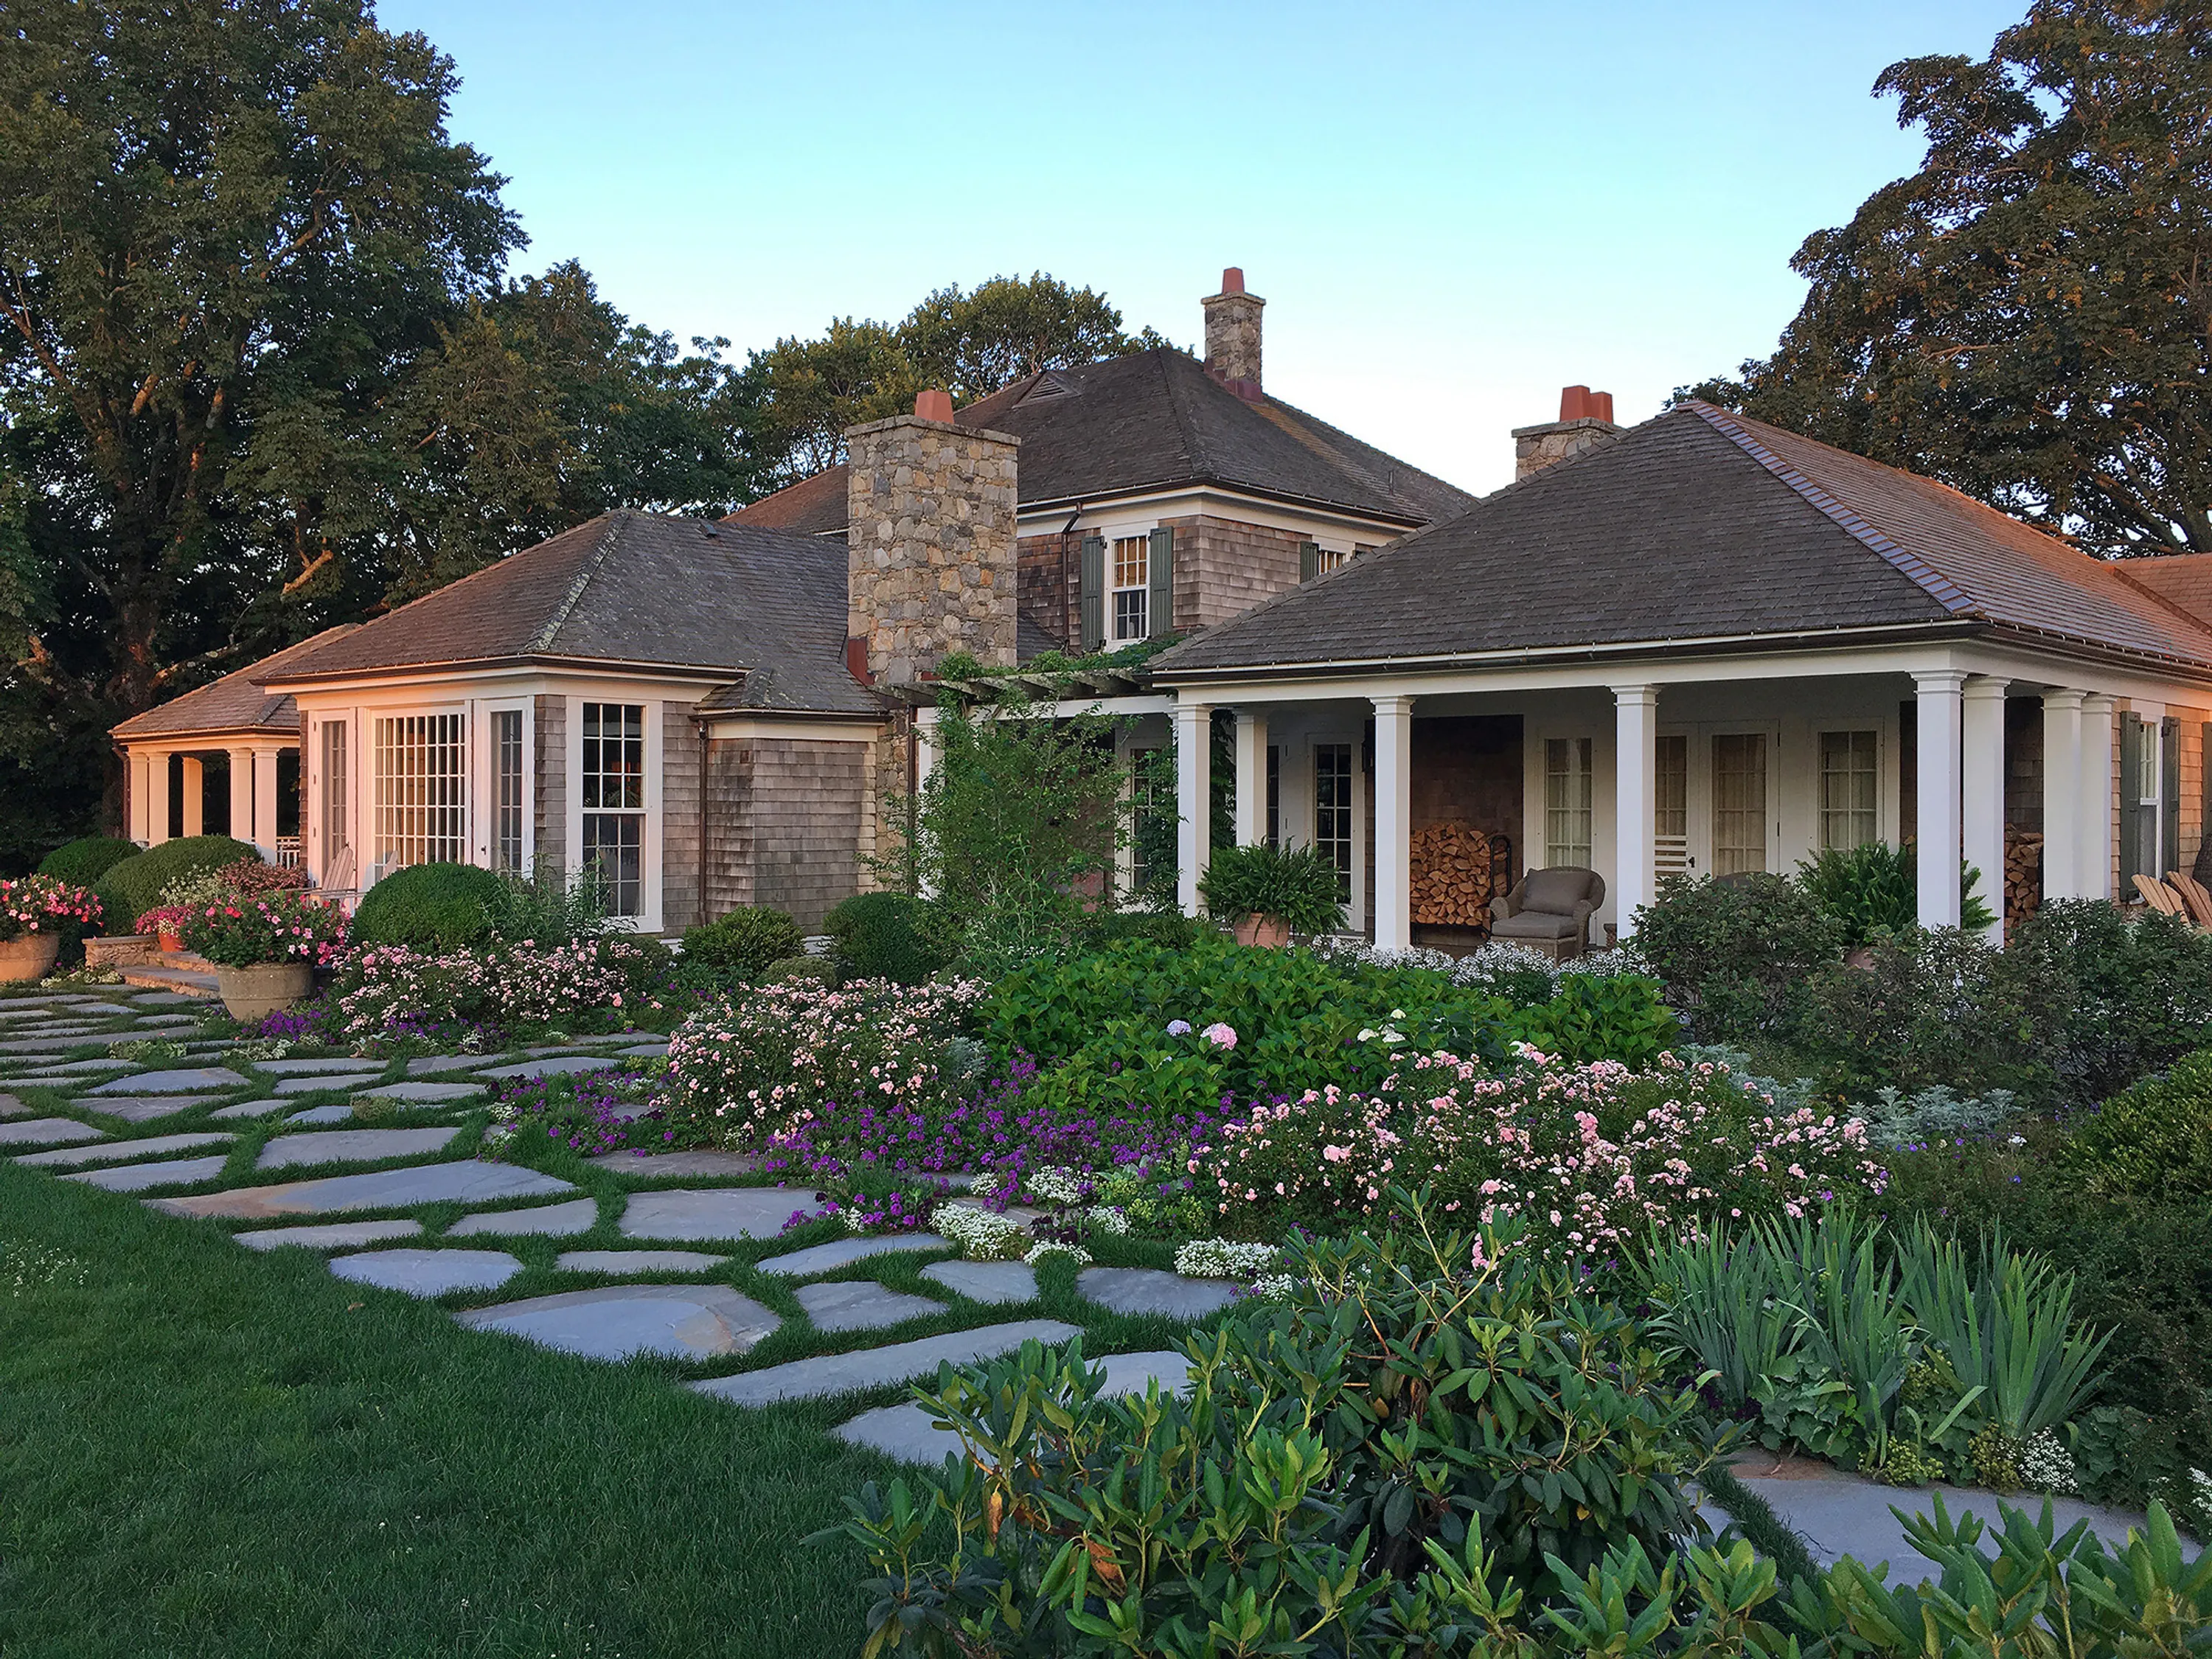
1232	336
929	541
1585	422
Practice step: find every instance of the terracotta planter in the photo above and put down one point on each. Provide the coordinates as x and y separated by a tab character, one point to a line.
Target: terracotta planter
265	989
31	956
169	941
1270	933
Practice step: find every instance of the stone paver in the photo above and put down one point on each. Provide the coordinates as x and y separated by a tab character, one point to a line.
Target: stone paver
1151	1291
163	999
185	1080
644	1051
907	1433
872	1368
1839	1514
340	1114
310	1085
338	1063
432	1065
684	1322
140	1108
861	1305
577	1216
332	1236
554	1065
250	1108
352	1146
46	1131
136	1177
986	1281
828	1258
77	1067
428	1273
114	1151
700	1162
464	1180
722	1212
11	1106
423	1091
636	1261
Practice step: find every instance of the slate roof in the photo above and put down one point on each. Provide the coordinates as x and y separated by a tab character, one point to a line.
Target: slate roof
234	704
2182	579
765	607
1700	525
1158	420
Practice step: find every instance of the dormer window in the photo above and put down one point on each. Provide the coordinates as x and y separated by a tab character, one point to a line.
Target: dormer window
1132	586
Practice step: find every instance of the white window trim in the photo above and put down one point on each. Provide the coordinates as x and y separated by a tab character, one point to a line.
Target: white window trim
649	897
1115	588
1885	823
485	825
366	852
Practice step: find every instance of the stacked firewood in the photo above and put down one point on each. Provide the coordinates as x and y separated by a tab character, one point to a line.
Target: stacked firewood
2023	875
1452	865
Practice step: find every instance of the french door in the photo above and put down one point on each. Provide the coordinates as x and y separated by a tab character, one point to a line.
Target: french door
1716	795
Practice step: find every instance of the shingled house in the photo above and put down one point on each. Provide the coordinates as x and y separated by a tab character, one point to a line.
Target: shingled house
1704	644
700	710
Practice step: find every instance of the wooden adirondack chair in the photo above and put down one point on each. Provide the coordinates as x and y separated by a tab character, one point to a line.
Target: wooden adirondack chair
2194	896
2161	897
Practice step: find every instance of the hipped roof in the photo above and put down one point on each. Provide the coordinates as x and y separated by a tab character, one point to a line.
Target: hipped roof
235	705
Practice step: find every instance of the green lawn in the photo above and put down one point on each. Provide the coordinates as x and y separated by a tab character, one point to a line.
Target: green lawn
207	1451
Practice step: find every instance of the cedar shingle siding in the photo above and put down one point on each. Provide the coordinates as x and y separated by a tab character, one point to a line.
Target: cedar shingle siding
550	767
679	818
807	813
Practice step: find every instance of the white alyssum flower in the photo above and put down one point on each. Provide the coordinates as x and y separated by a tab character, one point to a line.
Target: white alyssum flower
1275	1287
1053	1246
1053	1184
1223	1258
2045	1465
982	1235
1110	1218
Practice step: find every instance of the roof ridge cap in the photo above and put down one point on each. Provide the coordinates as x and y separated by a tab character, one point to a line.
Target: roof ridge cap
542	641
1902	559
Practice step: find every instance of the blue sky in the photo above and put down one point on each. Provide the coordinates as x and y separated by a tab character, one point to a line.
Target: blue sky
1453	210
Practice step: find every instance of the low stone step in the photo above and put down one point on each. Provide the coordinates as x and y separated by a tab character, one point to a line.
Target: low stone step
185	981
828	1258
872	1368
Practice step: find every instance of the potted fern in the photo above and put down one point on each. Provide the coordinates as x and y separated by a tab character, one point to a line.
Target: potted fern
1268	893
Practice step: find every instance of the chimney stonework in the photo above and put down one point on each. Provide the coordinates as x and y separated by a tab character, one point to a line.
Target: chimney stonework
930	554
1232	335
1585	422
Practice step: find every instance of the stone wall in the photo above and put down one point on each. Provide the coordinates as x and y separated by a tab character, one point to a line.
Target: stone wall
679	818
550	800
1535	447
931	545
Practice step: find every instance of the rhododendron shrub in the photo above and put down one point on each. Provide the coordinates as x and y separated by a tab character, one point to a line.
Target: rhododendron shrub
772	1062
1596	1155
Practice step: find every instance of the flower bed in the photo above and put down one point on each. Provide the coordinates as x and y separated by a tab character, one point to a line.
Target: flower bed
392	992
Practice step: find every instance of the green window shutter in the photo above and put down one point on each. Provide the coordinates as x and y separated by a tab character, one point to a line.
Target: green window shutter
1160	606
2169	796
2131	813
1308	561
1092	580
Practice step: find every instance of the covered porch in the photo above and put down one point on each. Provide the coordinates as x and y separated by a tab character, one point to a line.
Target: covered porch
1704	765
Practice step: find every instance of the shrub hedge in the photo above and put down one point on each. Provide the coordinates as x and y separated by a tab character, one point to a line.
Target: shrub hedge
883	936
744	943
87	859
430	907
133	885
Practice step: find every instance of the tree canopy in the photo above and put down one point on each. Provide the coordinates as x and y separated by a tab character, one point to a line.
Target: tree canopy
263	367
2028	317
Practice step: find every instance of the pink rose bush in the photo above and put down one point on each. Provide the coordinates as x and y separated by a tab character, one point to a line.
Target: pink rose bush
42	905
757	1071
391	988
1325	1157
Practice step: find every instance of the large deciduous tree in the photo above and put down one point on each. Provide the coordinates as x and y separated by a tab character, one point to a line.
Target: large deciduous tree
2029	316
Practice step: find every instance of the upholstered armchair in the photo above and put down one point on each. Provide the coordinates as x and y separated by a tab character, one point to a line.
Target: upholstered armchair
1549	910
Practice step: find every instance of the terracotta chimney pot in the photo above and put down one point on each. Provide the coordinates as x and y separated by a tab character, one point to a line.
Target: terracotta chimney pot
934	404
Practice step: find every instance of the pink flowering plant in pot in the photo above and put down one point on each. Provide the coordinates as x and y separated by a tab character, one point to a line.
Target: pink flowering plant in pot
36	912
251	931
165	922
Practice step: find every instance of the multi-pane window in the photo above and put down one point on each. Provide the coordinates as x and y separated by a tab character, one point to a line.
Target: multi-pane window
1326	559
1274	795
1567	802
1149	837
506	789
335	839
613	798
422	792
1333	811
1850	789
1670	817
1132	591
1739	802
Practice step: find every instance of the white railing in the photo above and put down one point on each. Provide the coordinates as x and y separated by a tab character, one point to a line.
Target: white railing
288	851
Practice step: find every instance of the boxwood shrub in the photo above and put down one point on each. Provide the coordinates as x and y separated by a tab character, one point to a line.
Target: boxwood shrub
431	907
883	936
744	942
87	859
134	884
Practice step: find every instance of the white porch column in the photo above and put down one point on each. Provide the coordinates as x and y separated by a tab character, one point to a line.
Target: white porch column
2063	788
265	800
1982	735
195	788
1193	735
242	827
1939	698
1251	777
157	798
2095	800
925	766
1394	822
134	797
1635	799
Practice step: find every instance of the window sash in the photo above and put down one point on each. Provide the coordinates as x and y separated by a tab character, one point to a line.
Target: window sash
1739	802
614	849
1567	802
1326	559
334	793
1849	789
1132	586
507	849
614	756
422	789
1274	795
1333	829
